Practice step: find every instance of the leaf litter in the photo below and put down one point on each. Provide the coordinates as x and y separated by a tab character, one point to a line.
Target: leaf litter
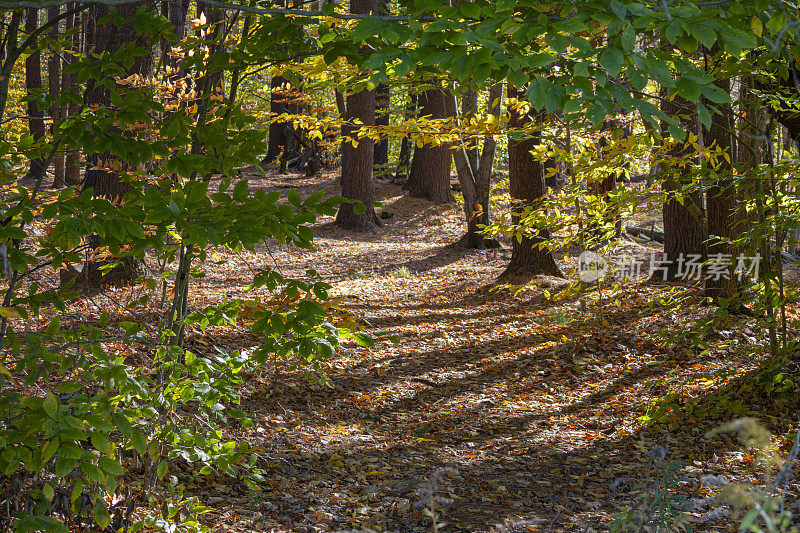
490	413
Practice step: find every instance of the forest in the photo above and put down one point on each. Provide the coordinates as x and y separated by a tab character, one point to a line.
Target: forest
399	265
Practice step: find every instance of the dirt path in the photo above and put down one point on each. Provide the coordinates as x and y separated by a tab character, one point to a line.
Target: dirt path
491	413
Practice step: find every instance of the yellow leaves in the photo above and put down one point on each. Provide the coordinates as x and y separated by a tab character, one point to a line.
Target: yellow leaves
345	429
756	26
201	21
9	312
477	212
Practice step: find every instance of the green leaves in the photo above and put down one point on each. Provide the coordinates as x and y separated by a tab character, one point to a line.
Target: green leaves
612	60
364	340
688	89
628	38
36	523
50	405
101	514
715	94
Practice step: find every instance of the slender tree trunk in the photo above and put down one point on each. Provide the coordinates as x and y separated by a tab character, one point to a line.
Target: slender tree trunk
69	80
382	101
33	82
54	86
357	161
526	184
614	130
382	106
430	167
469	109
475	170
10	57
403	159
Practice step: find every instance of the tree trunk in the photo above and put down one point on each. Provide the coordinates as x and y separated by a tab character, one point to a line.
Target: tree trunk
54	87
277	130
474	172
68	80
526	184
33	82
382	106
357	161
9	57
684	235
103	181
430	167
721	206
611	130
469	109
177	13
382	101
401	172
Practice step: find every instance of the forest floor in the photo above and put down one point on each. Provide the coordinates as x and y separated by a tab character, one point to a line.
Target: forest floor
492	412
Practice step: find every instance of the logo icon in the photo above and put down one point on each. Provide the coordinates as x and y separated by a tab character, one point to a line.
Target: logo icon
591	266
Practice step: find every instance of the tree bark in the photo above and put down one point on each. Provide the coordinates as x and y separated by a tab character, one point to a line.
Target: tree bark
357	161
177	13
721	205
469	109
430	168
277	130
612	129
54	86
382	101
684	234
9	56
475	170
69	80
33	82
103	181
401	172
526	184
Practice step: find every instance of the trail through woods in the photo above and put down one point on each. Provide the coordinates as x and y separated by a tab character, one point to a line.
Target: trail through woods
499	413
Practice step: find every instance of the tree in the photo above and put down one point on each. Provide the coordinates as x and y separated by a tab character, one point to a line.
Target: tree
683	218
100	175
278	131
404	157
54	87
526	185
69	80
721	204
358	154
616	130
475	172
430	167
33	83
11	52
382	102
